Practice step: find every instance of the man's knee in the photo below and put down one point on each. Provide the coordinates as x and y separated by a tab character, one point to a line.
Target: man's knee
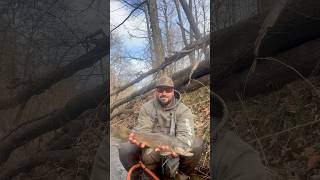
197	146
129	154
128	148
151	160
187	164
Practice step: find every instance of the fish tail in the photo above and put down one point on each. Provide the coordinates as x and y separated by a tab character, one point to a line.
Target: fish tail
120	132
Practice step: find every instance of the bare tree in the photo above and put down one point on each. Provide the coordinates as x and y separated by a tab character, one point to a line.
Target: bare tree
156	34
193	26
183	33
169	33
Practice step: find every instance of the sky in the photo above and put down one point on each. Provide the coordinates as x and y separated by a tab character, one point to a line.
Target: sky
118	12
135	47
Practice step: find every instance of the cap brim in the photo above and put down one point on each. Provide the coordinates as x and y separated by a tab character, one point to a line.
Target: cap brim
163	85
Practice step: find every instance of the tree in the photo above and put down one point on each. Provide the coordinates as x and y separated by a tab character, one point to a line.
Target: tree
156	34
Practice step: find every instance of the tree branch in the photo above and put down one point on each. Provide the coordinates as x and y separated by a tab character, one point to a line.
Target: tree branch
128	16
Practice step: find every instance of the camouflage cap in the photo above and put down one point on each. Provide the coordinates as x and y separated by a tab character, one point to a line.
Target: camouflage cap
164	81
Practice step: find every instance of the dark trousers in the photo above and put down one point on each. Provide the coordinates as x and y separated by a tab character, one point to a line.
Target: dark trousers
130	154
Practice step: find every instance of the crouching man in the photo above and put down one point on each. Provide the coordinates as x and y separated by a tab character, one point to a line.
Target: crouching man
168	115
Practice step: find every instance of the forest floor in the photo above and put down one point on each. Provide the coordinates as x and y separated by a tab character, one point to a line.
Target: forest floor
284	126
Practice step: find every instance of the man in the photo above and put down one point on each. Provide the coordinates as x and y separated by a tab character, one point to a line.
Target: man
231	158
166	114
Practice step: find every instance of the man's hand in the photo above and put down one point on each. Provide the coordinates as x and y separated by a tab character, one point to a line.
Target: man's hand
166	149
132	139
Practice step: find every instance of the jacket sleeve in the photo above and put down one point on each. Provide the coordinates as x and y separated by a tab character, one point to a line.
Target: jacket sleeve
185	126
145	122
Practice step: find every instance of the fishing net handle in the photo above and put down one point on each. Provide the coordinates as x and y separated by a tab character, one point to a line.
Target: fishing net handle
141	165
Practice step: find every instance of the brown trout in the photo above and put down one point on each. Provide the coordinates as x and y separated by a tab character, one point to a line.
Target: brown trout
154	140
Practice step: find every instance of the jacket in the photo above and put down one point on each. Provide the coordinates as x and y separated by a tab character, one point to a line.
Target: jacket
176	117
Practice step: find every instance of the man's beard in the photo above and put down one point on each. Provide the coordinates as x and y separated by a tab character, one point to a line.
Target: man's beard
164	101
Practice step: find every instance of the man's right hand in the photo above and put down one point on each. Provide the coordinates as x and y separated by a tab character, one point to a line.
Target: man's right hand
133	140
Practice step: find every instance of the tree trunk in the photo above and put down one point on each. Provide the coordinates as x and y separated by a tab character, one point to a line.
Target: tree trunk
196	84
193	25
169	37
297	22
36	159
62	142
145	10
272	73
156	34
184	37
192	35
233	47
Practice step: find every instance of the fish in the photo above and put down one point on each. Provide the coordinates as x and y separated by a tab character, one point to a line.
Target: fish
154	140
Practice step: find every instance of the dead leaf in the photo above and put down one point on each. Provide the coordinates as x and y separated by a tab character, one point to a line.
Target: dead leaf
313	161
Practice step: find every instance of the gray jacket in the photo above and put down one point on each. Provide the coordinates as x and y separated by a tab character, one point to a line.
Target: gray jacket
177	117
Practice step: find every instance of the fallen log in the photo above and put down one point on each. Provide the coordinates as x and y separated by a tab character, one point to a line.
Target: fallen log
61	141
288	24
44	83
233	47
196	84
180	78
36	159
272	73
74	107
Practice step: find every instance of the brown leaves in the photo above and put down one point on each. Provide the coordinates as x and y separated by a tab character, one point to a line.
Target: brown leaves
313	161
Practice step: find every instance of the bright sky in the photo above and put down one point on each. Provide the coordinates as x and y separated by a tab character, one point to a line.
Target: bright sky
119	12
135	25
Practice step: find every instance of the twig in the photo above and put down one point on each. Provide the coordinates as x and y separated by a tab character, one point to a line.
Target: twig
254	132
286	130
128	16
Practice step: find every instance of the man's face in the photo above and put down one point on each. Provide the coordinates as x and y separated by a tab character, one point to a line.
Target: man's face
164	95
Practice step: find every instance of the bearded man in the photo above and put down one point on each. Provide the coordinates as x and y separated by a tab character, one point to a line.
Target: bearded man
166	114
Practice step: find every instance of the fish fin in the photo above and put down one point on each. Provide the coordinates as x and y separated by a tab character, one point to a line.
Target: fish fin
164	153
149	151
188	154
